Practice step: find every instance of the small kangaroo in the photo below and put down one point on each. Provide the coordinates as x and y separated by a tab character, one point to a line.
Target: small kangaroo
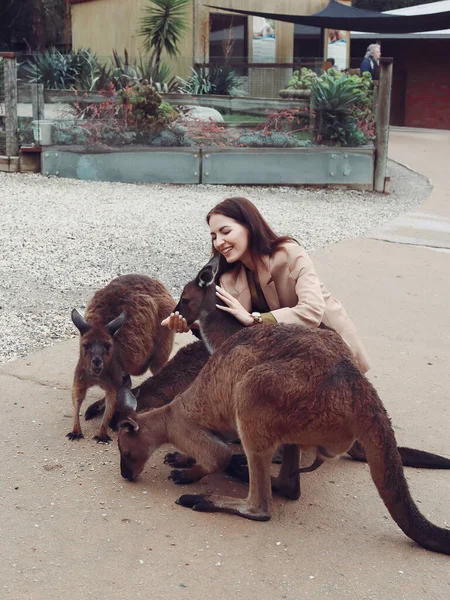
119	335
271	385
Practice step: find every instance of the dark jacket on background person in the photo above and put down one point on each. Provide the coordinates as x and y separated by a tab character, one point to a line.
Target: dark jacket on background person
368	65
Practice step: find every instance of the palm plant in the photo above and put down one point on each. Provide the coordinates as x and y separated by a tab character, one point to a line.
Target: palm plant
163	25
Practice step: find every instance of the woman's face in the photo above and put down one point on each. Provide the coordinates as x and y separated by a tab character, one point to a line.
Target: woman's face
230	238
377	52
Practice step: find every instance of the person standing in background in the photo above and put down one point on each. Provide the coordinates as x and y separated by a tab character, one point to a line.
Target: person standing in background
371	61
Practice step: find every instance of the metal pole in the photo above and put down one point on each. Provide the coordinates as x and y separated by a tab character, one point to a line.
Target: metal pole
11	123
382	124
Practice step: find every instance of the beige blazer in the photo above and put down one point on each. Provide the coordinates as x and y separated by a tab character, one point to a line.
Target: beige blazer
295	294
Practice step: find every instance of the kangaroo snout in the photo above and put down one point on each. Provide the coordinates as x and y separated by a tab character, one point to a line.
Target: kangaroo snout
97	364
126	471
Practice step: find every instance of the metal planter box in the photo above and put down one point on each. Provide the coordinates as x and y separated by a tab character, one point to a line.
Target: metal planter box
353	167
157	165
278	166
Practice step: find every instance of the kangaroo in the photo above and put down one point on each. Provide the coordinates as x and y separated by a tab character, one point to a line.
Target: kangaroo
162	387
271	385
179	373
119	335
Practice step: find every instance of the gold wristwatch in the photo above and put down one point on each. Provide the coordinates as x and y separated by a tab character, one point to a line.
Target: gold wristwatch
256	318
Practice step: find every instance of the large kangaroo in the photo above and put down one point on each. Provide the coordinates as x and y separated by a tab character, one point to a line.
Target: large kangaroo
272	385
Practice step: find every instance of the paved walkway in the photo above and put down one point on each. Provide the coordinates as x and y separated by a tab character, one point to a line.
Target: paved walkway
71	525
426	151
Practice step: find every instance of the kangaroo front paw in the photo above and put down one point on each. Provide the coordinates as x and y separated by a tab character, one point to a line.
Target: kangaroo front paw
178	460
182	477
73	435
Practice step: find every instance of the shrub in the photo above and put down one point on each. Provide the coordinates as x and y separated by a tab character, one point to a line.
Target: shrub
343	109
302	80
291	119
139	105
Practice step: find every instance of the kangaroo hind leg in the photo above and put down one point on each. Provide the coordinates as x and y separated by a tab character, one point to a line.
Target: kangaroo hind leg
287	483
257	506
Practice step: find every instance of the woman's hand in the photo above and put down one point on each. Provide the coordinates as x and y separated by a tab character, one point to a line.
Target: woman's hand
234	307
176	322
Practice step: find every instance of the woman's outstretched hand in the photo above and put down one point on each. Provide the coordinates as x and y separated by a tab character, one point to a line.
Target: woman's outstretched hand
176	322
234	307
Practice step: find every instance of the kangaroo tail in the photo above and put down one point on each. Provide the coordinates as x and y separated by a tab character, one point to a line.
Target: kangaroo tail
377	437
410	457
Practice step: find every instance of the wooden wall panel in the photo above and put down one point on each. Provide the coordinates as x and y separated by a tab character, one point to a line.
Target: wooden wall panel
106	24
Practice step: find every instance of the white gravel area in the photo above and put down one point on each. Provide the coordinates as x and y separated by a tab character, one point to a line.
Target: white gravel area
61	239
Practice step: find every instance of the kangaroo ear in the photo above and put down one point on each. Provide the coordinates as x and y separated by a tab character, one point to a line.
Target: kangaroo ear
113	326
207	275
129	424
79	322
126	400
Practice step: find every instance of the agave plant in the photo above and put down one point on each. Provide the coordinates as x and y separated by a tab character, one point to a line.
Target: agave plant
52	68
125	73
78	69
198	83
339	100
224	81
336	94
163	25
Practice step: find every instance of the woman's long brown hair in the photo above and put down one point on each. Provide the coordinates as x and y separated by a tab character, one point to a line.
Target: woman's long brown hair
262	238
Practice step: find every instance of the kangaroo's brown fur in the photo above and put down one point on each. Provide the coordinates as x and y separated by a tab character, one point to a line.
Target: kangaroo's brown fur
273	385
121	334
162	387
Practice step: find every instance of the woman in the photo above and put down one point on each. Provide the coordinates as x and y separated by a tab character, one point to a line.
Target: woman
371	61
265	278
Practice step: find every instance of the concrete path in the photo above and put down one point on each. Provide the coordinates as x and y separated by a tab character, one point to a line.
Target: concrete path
71	526
426	151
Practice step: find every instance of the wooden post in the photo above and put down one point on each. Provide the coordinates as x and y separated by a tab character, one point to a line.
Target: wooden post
37	101
312	114
382	124
11	124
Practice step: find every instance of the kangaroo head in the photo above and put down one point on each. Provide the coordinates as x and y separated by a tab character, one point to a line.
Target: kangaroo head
199	292
97	341
136	443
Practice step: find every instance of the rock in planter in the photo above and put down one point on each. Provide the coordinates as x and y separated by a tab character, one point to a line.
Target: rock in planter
203	113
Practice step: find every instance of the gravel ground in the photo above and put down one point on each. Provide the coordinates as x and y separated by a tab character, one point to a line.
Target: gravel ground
61	239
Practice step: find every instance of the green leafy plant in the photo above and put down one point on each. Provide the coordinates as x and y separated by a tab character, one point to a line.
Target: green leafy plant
224	81
125	72
52	68
343	109
198	83
303	79
79	69
163	25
